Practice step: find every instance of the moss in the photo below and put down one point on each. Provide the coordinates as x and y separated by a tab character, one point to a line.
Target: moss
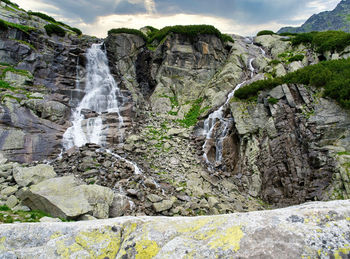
347	153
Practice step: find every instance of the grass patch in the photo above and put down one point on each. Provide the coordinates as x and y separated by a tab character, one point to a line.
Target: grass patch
17	71
77	31
128	31
333	76
42	16
298	57
347	153
25	43
191	117
10	3
190	31
54	29
323	41
20	27
265	32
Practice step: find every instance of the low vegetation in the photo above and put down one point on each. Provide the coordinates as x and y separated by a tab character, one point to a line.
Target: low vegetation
20	27
265	32
323	41
42	16
333	76
54	29
3	25
10	3
191	117
9	216
128	31
191	31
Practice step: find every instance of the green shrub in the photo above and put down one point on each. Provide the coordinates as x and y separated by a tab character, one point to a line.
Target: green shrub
190	31
274	62
128	31
77	31
265	32
10	3
42	16
54	29
333	76
288	34
272	100
298	57
23	28
323	41
3	25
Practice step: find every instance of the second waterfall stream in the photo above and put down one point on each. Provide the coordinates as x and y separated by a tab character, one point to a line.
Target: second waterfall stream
101	97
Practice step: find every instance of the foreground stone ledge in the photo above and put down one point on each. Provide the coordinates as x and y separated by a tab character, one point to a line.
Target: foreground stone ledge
318	229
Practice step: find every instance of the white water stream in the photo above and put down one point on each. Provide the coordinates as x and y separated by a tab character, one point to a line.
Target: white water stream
101	97
218	116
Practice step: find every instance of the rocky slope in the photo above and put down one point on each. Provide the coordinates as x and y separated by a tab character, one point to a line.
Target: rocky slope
337	20
289	147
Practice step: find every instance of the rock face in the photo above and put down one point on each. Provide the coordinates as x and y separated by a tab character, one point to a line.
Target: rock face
289	152
309	230
338	19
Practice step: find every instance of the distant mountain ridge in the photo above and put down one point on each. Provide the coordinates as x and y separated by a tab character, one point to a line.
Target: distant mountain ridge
338	19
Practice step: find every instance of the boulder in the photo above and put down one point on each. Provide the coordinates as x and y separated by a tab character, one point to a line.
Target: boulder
60	197
25	176
312	230
99	198
119	206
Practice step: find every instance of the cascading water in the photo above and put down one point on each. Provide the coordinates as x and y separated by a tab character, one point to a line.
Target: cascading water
101	96
217	118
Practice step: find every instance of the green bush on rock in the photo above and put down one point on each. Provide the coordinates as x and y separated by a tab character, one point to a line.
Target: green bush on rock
42	16
265	32
333	76
3	25
54	29
128	31
323	41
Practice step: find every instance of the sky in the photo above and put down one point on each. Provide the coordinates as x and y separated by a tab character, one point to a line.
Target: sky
243	17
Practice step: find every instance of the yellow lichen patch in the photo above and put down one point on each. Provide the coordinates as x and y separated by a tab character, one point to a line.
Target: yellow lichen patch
2	246
345	251
99	243
146	249
65	251
205	235
348	218
55	235
229	240
193	226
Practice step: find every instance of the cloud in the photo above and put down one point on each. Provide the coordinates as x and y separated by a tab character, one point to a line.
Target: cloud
234	16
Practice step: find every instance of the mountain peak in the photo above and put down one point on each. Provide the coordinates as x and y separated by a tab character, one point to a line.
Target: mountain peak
337	19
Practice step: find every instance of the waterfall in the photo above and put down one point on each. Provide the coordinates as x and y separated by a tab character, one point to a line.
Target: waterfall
101	96
209	126
215	119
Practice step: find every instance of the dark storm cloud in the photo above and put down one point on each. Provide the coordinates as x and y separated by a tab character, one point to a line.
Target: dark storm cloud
241	11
